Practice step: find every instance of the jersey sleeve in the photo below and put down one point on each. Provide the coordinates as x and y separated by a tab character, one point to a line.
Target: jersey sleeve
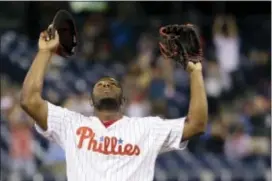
168	133
58	120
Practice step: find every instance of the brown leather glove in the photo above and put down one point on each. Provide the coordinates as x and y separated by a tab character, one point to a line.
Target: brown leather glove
181	43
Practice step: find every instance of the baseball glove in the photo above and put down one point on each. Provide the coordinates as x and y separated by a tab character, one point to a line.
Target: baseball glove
181	43
63	22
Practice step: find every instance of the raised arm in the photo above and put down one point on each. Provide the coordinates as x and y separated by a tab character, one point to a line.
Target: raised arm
182	44
172	134
232	26
197	117
31	96
218	25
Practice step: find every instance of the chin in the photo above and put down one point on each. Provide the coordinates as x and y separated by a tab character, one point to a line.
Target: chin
107	99
107	103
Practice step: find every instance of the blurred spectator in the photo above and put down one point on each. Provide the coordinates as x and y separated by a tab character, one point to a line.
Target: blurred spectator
214	88
147	58
94	43
258	116
73	102
158	91
138	106
238	143
159	108
55	162
227	48
136	78
7	101
21	143
157	84
145	47
258	74
216	141
167	67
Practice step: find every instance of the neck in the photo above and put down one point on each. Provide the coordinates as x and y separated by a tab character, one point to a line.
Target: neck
105	116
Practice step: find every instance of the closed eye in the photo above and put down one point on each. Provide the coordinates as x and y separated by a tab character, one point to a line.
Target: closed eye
113	83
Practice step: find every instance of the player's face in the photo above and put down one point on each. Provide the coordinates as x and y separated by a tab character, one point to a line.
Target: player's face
107	91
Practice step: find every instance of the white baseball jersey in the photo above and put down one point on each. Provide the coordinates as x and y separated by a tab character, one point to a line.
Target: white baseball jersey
125	151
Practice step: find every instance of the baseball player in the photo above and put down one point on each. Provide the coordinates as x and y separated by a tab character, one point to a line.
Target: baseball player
110	146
